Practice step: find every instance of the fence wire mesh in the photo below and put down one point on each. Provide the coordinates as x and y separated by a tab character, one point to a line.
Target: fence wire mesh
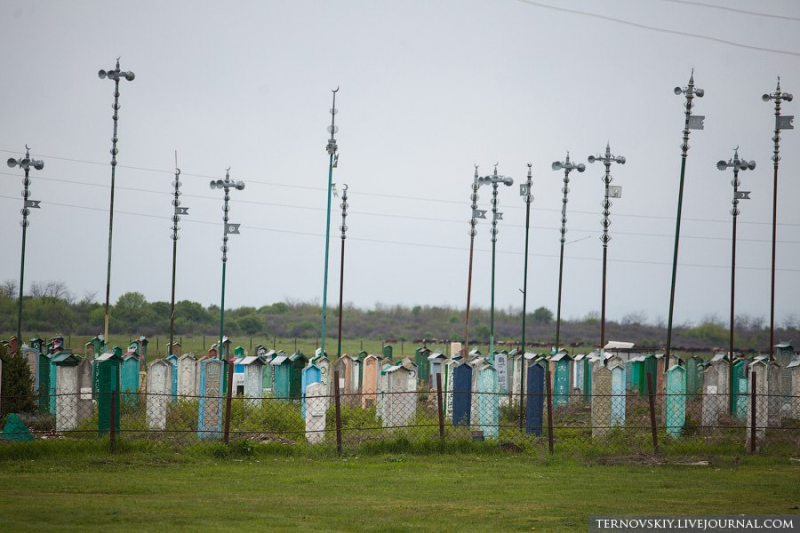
574	423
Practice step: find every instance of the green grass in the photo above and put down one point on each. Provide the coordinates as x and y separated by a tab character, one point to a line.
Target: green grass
244	488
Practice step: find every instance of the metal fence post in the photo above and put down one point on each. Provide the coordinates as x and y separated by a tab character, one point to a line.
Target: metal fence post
652	397
228	396
439	404
549	411
113	420
337	402
753	408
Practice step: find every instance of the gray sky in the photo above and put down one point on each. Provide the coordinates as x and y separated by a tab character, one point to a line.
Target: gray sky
427	90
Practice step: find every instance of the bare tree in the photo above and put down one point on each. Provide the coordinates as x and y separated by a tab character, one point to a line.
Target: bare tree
9	288
790	321
56	290
636	318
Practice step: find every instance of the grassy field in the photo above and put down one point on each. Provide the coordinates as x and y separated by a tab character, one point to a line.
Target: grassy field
91	490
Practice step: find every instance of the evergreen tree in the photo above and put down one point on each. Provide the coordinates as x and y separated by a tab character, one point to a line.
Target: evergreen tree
17	384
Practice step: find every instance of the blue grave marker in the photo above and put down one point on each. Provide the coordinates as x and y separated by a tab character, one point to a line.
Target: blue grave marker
462	392
535	399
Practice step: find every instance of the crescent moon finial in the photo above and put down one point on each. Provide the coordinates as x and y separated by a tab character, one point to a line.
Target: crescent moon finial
530	165
345	187
27	147
336	90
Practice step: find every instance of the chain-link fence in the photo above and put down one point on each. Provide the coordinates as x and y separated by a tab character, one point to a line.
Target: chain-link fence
577	422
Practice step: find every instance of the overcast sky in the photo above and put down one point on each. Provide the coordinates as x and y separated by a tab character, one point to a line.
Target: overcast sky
428	89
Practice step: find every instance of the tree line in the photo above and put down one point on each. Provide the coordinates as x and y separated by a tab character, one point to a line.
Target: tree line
50	307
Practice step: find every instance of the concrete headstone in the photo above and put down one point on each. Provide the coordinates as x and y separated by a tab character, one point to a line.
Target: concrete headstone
601	401
209	423
159	393
316	407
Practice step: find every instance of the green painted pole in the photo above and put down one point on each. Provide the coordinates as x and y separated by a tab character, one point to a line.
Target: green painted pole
332	160
690	93
25	164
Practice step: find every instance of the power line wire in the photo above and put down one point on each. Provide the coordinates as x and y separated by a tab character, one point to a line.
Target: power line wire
734	10
357	193
413	244
661	30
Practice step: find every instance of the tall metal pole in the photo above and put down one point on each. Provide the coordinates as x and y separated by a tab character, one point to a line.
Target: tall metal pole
343	228
495	180
606	159
690	123
567	167
25	163
114	75
525	191
736	164
176	217
229	229
333	159
476	214
781	123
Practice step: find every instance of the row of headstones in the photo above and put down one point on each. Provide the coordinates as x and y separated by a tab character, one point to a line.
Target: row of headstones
472	395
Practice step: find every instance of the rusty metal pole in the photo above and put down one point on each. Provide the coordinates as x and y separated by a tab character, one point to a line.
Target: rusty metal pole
114	75
337	402
652	397
525	192
228	398
737	165
606	159
781	123
567	167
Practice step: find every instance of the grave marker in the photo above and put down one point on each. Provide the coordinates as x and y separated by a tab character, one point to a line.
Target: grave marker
423	364
399	407
794	368
534	398
759	366
462	392
561	361
501	368
488	401
253	379
601	402
173	360
716	389
369	385
618	395
188	382
676	400
66	364
316	404
159	393
436	362
209	421
107	377
311	375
